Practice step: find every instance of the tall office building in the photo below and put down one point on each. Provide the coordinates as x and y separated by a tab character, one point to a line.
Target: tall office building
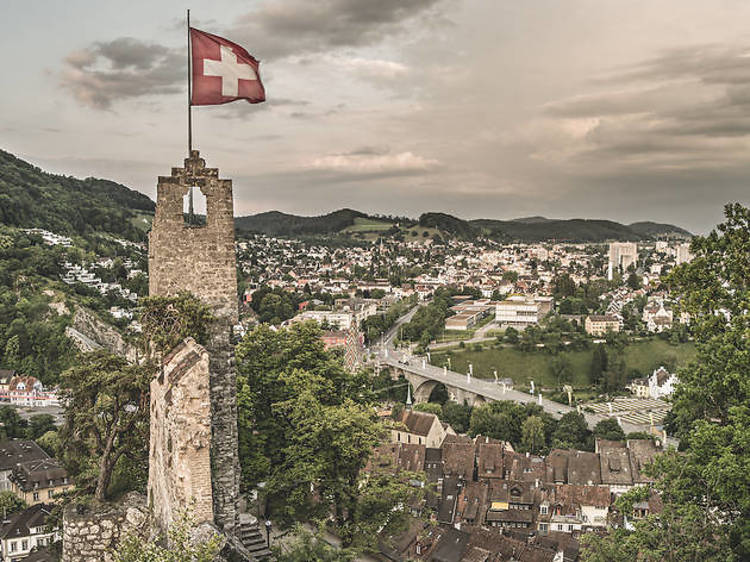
621	256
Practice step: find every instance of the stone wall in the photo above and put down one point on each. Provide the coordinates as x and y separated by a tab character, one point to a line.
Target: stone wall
92	534
180	460
201	260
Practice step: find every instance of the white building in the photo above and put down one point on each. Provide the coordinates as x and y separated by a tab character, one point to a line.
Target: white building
682	253
339	320
25	531
621	256
661	383
521	311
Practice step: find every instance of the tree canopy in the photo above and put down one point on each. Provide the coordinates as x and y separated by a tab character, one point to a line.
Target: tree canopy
705	489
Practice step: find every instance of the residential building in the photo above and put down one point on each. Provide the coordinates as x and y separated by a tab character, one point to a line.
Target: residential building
599	325
614	461
14	452
39	481
25	531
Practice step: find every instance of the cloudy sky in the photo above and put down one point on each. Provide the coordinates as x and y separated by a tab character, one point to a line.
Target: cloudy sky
627	110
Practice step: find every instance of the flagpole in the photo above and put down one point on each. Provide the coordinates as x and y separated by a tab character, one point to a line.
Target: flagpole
190	118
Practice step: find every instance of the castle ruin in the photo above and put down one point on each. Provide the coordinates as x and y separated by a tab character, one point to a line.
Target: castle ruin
187	461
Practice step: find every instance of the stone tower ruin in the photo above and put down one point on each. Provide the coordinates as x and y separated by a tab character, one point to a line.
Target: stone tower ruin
201	261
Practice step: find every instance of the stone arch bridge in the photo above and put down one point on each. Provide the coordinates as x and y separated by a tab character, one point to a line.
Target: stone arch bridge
461	388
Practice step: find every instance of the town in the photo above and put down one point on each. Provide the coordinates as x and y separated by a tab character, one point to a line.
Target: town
529	321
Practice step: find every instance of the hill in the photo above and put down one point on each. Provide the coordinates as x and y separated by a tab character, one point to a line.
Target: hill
275	223
448	223
654	230
528	229
32	198
573	230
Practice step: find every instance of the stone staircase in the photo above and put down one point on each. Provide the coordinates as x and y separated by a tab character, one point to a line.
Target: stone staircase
253	537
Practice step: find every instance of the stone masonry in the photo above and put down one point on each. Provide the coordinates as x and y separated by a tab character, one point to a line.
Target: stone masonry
180	460
201	260
92	534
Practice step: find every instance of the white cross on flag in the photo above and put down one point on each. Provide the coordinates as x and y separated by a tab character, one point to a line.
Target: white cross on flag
222	71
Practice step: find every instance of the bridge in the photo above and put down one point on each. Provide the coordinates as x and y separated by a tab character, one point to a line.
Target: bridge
464	388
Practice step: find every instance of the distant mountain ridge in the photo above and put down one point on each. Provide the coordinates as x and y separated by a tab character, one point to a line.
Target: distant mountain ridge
32	198
528	229
275	223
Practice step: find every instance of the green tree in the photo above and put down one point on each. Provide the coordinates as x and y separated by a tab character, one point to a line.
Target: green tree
564	286
561	368
609	429
12	423
705	489
10	503
430	408
572	432
634	282
533	434
511	335
166	321
50	442
598	364
457	415
39	425
12	352
273	366
106	417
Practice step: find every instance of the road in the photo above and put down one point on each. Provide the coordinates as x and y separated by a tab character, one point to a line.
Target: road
387	355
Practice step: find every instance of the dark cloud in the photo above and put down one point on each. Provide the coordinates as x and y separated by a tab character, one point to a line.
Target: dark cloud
123	68
278	29
684	110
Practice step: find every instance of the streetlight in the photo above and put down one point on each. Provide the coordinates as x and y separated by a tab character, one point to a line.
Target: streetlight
268	532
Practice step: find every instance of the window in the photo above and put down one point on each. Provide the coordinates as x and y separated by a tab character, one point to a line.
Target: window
408	438
24	545
570	528
36	496
13	546
543	526
50	493
543	510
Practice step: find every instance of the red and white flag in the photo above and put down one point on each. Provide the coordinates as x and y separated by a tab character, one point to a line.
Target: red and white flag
223	71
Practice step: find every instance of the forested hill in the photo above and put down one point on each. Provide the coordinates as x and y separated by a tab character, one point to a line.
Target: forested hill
539	229
529	229
275	223
32	198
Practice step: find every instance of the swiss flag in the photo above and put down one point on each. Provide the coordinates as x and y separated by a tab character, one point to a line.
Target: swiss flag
223	71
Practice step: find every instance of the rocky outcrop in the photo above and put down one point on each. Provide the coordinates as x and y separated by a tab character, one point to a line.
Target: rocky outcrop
89	332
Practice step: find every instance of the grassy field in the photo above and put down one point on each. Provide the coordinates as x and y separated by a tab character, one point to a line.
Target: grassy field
368	225
142	220
523	367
